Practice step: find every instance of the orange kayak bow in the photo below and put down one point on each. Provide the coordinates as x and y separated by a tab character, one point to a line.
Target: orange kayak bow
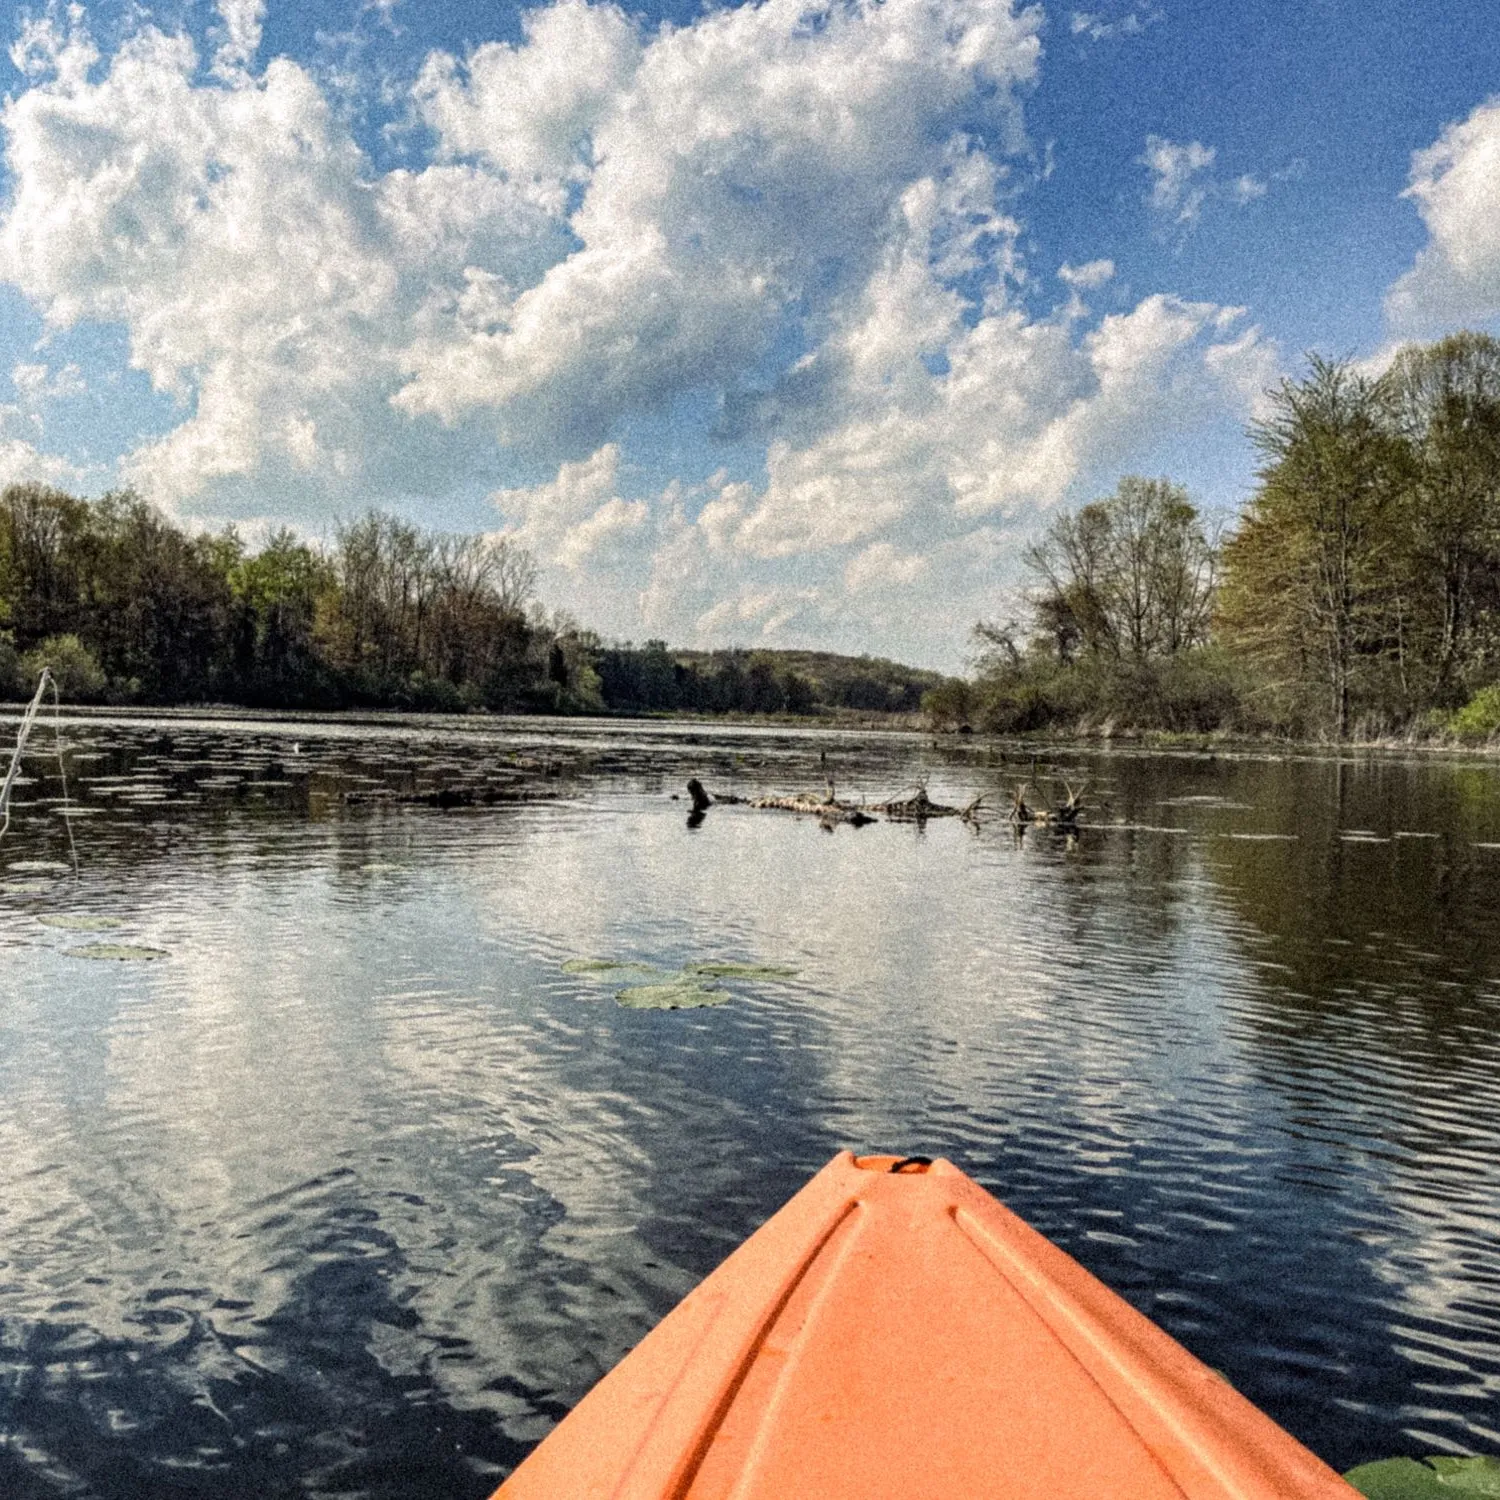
895	1333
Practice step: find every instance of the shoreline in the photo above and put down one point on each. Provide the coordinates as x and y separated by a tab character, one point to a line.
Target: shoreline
1149	741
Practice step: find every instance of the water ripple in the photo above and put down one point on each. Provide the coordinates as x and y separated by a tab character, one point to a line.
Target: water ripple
356	1191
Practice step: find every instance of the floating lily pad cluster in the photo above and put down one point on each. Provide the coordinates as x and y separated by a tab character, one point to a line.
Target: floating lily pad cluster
122	952
79	922
688	988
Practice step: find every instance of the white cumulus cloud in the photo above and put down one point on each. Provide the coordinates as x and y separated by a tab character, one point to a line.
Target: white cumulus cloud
881	566
531	111
265	278
801	216
1455	183
740	172
241	25
36	383
1183	182
21	456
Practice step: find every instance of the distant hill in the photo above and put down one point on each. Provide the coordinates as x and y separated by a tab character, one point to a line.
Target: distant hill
864	682
656	677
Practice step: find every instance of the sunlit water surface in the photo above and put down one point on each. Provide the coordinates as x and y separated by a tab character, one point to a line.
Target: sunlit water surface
354	1190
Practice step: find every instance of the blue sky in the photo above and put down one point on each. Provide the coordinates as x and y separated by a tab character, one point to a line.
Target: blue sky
784	324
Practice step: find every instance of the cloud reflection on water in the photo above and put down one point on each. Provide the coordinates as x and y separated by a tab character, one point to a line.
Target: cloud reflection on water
359	1152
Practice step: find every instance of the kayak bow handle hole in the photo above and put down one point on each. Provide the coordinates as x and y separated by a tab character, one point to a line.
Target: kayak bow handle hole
902	1166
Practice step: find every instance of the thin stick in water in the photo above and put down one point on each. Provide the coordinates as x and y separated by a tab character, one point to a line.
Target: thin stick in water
28	722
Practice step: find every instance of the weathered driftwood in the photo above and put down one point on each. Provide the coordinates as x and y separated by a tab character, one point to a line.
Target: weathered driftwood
825	809
919	807
1064	815
829	810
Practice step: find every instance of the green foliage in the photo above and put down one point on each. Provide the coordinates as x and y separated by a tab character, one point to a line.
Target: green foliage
387	614
42	579
154	602
123	605
276	596
428	620
1479	718
951	703
1359	591
1193	691
1309	593
1363	579
1118	640
654	679
75	670
867	684
1444	402
10	667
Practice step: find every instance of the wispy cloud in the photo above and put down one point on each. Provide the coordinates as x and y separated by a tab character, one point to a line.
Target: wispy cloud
1184	183
1180	183
1247	188
1087	277
1099	27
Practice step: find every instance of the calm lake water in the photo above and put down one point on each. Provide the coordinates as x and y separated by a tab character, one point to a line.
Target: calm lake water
355	1190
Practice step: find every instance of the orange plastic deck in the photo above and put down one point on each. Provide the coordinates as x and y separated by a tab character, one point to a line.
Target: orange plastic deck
905	1337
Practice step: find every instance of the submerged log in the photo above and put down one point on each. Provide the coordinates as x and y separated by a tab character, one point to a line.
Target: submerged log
919	807
449	797
829	810
826	810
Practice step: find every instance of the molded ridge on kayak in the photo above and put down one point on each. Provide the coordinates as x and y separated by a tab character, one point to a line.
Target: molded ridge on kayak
902	1334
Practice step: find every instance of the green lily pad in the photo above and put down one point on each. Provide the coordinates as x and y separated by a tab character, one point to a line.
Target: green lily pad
29	866
1474	1476
598	965
71	922
739	971
26	888
1437	1478
678	994
125	952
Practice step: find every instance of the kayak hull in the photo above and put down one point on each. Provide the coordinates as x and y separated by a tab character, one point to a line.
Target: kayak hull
902	1334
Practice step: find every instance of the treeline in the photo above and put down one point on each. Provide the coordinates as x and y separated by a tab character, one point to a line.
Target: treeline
1358	593
654	678
124	607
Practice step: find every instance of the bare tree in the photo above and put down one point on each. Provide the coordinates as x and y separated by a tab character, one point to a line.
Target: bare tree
1131	576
